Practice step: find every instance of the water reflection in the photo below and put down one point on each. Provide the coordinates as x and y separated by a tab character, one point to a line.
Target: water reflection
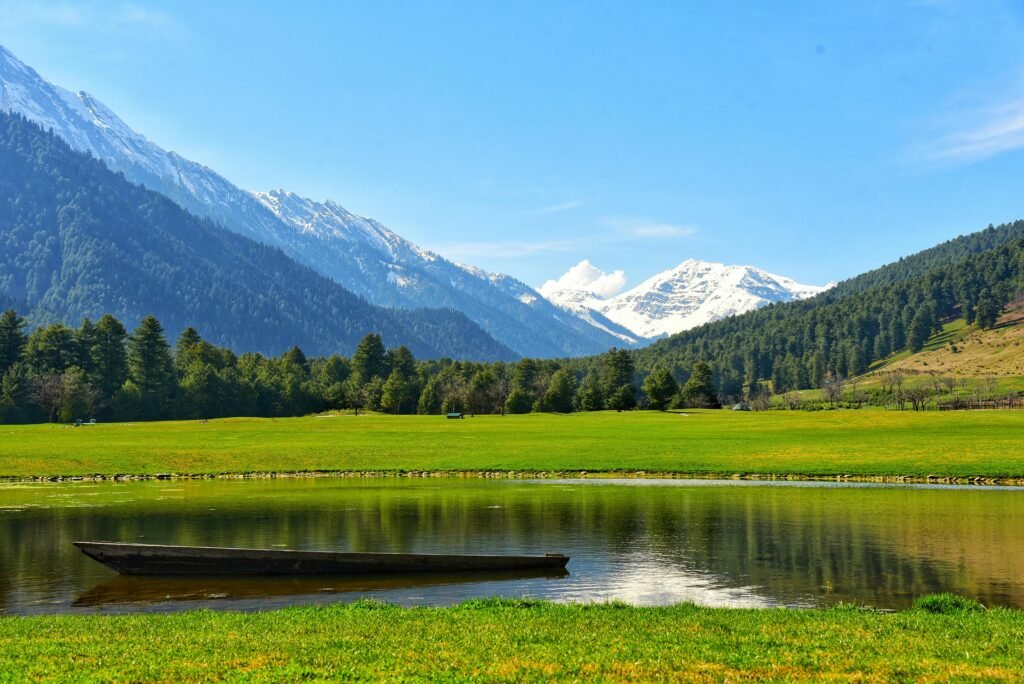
645	543
124	590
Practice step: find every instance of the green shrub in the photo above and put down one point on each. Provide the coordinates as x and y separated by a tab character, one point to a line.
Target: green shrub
947	604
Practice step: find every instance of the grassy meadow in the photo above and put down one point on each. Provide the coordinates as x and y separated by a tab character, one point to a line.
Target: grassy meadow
867	442
497	640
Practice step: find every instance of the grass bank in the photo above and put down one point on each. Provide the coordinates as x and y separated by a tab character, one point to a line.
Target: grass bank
520	641
864	443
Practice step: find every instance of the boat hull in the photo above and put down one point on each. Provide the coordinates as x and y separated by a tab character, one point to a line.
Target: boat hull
154	559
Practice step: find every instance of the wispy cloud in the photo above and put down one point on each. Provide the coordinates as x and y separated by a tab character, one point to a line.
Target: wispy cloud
553	209
995	131
107	16
507	249
131	14
41	13
649	228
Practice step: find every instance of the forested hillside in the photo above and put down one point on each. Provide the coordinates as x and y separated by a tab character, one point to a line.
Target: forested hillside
100	370
77	240
942	255
802	344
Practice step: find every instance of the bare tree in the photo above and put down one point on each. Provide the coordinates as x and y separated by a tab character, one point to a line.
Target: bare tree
984	389
761	401
855	395
92	400
48	394
892	387
833	388
792	400
919	396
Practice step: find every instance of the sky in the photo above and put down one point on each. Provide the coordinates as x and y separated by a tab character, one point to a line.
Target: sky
812	139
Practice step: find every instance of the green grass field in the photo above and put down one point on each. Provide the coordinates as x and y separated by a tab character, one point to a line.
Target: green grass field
519	641
828	443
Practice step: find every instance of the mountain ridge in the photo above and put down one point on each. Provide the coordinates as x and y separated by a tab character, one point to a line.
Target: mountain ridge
79	240
383	268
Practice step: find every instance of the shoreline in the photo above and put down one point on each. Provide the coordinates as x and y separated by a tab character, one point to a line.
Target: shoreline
975	481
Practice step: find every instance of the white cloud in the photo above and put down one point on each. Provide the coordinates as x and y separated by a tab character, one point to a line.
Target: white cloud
587	277
649	228
1000	129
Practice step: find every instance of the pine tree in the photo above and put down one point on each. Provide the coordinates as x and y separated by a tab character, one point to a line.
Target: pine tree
699	390
14	394
519	401
617	371
987	311
590	396
559	396
920	329
622	399
430	399
395	392
369	360
184	350
401	358
109	356
152	368
660	387
52	349
12	339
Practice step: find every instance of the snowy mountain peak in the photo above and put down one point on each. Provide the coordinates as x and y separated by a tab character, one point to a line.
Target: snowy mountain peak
691	294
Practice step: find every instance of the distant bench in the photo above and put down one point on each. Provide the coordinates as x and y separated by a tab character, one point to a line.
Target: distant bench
454	416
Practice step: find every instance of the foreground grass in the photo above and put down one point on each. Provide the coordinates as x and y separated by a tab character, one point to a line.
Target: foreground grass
516	641
865	442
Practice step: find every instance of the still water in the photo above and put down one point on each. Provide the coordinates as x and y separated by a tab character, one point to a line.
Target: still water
645	542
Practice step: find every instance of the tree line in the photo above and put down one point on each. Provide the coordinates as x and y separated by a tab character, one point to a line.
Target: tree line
100	370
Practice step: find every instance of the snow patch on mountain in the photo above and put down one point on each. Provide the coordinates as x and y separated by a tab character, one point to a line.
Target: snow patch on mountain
691	294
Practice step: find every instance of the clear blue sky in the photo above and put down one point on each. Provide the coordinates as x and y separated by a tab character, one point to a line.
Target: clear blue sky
814	139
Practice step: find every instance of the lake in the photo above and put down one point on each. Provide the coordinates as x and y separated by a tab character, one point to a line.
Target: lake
646	542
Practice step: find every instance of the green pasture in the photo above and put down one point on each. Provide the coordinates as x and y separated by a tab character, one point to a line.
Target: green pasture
862	442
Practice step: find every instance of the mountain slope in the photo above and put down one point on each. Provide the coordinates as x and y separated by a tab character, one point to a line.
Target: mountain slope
802	344
691	294
78	240
384	267
358	253
966	351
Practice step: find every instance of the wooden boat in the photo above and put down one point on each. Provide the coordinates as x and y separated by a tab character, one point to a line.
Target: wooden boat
154	559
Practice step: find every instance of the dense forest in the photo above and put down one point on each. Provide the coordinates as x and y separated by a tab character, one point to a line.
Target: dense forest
77	240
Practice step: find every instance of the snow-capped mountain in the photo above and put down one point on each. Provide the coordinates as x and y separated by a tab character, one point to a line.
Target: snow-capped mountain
358	253
693	293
